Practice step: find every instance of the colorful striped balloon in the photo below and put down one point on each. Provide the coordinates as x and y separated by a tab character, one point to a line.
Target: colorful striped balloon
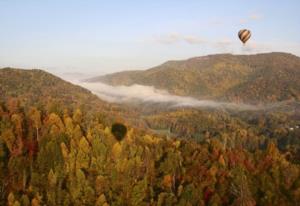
244	35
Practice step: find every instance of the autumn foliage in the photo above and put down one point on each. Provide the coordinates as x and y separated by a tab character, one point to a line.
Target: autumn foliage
52	159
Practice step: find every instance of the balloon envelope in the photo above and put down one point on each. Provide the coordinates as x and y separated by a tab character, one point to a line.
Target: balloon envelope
244	35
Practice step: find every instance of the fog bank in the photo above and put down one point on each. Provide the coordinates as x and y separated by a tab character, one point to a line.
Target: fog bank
149	94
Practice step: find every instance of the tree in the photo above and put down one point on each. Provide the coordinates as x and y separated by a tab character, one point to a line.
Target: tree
9	138
77	133
35	117
139	192
18	121
240	188
77	116
83	157
52	184
4	156
54	120
13	105
69	125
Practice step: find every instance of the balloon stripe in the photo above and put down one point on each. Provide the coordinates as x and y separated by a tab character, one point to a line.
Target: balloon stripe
240	32
247	37
244	34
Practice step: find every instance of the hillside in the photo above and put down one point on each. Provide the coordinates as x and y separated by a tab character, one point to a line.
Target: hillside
260	78
38	88
64	155
58	159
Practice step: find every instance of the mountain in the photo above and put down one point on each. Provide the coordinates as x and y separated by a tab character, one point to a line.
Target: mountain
56	149
32	86
38	88
259	78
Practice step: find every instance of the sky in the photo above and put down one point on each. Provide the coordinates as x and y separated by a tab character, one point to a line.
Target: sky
100	37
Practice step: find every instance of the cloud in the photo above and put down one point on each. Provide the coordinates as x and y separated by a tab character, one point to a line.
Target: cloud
175	38
256	47
193	40
243	21
149	94
169	38
251	17
224	42
255	16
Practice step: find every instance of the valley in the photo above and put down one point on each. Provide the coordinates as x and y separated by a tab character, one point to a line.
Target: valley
57	147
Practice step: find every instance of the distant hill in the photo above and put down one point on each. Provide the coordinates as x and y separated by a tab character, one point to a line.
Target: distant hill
41	89
32	86
269	77
38	88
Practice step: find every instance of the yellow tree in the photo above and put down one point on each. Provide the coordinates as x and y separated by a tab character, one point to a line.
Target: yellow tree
77	116
35	117
13	105
54	120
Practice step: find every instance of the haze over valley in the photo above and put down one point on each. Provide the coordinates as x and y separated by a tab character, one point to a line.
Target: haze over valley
83	112
149	103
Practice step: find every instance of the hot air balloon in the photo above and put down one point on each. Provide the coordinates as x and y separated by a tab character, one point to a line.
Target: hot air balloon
119	131
244	35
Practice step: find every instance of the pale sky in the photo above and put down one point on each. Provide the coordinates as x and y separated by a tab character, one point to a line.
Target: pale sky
98	37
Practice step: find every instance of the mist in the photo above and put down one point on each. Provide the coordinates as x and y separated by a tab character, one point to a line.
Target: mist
149	94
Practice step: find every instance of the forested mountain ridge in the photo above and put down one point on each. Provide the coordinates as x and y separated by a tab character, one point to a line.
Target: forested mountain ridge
37	86
260	78
56	150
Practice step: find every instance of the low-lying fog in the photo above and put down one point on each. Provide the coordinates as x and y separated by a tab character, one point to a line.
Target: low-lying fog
149	94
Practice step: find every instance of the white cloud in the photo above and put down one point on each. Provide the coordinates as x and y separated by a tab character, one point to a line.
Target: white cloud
169	38
256	47
243	21
255	16
228	45
251	17
193	39
224	42
174	38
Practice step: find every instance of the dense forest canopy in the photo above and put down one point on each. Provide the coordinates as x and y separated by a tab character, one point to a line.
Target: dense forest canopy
57	147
